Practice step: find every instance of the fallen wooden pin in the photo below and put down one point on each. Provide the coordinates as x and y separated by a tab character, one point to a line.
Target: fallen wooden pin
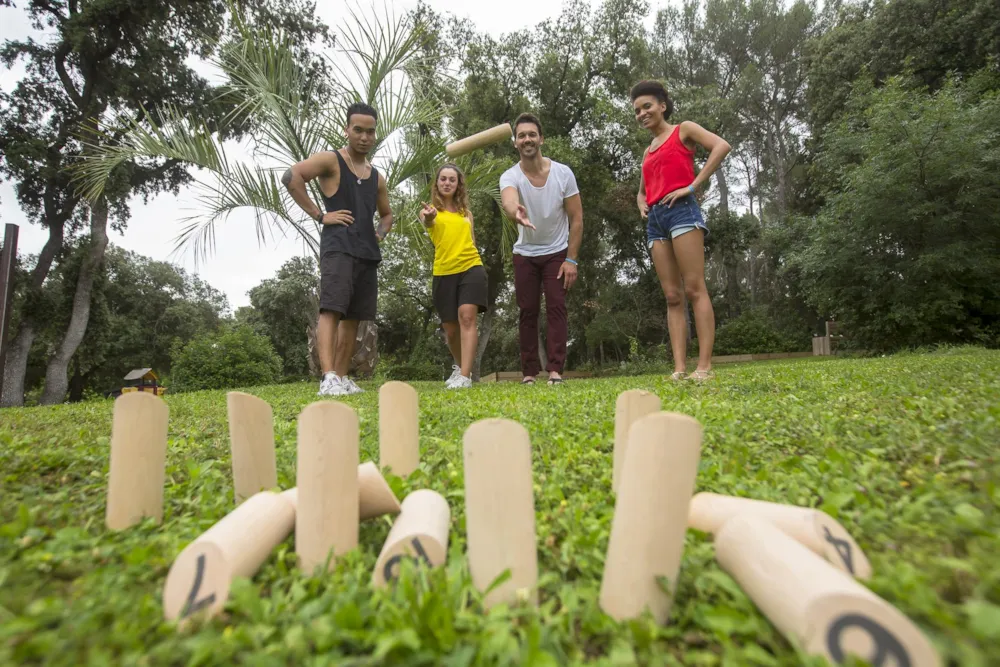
375	497
328	506
251	438
399	428
650	520
420	533
630	406
138	460
200	577
810	600
812	528
500	510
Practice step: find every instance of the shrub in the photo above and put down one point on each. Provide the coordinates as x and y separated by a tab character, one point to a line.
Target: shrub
232	357
752	333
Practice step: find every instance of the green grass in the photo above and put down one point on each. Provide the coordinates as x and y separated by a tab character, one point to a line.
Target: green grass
901	450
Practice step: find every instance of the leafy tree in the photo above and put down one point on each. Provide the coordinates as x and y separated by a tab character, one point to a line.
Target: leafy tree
904	252
929	39
140	309
98	60
284	309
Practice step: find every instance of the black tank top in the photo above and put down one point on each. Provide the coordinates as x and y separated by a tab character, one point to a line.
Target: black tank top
357	239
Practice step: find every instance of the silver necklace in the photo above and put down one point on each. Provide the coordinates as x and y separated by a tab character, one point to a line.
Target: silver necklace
353	168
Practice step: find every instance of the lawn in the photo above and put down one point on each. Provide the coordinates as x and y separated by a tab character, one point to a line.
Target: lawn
903	451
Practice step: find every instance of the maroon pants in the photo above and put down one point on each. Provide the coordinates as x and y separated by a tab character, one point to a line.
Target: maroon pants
531	276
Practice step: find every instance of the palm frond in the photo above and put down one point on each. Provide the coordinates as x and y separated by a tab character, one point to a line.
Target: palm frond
244	187
171	136
276	101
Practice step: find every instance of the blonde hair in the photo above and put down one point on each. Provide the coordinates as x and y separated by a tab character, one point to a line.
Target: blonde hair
461	196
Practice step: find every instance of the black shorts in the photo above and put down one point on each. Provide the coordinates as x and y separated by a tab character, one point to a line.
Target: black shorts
459	289
348	286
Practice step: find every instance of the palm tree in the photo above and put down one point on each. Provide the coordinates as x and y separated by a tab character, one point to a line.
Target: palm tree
290	111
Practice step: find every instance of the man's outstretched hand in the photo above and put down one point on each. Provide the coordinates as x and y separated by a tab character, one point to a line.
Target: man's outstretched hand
521	217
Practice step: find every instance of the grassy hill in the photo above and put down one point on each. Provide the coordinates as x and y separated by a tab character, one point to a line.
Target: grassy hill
903	451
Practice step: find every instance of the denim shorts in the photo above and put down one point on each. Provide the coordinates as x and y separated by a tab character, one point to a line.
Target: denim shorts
669	223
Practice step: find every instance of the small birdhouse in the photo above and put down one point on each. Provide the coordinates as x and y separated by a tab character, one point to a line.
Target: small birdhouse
143	379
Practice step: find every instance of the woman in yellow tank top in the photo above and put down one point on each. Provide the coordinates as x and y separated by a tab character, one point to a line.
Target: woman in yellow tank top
459	288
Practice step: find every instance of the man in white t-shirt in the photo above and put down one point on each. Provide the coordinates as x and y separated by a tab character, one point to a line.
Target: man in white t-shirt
541	196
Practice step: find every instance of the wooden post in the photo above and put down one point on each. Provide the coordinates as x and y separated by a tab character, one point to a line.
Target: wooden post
818	605
327	516
630	406
251	440
420	532
399	428
651	512
236	546
8	257
500	510
138	460
814	529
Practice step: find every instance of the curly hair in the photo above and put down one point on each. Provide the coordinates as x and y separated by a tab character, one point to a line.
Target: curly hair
461	196
657	90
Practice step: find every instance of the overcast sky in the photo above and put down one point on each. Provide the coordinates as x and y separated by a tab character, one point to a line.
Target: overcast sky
239	261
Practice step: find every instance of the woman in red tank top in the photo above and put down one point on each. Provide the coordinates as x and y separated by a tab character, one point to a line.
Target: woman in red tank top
675	229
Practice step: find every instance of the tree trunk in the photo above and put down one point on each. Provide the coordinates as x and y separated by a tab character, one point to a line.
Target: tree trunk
16	366
730	261
484	339
494	277
313	357
365	357
312	339
77	383
56	377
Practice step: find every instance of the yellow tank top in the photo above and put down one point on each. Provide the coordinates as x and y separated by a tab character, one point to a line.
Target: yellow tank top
454	251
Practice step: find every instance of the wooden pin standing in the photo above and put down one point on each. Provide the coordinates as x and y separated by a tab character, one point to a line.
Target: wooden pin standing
328	507
500	509
420	532
813	528
237	545
375	497
479	140
399	428
651	512
819	605
630	406
251	439
138	460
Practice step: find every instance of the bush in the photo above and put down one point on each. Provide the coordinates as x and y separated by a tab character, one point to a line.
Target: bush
752	333
415	371
232	357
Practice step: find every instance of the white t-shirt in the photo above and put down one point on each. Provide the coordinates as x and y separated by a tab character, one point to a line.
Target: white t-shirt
545	207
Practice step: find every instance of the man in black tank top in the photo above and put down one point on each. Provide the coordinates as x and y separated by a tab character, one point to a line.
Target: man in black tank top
352	190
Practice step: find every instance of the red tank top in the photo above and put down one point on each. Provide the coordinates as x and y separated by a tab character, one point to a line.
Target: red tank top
668	167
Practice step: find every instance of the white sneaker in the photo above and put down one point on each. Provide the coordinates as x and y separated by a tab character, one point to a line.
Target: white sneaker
349	387
461	382
455	372
331	386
